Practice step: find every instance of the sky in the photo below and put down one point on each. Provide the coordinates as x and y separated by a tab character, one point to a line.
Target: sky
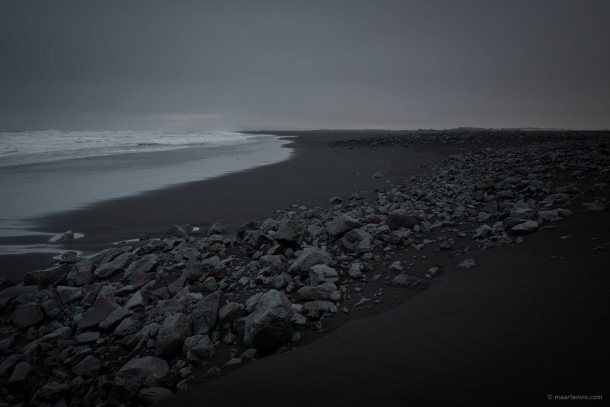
300	65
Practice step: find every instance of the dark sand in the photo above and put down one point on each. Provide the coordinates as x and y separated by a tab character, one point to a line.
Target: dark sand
529	321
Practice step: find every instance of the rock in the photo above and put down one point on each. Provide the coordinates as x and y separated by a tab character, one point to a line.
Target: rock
116	316
115	266
397	219
174	329
245	228
341	224
355	271
483	232
148	371
205	313
80	274
317	306
378	175
27	315
87	337
321	273
68	295
21	294
52	276
525	228
357	241
269	326
335	200
146	264
229	312
99	311
484	185
20	372
127	326
396	266
105	256
52	391
288	232
89	367
319	292
176	231
403	280
200	345
153	394
216	229
309	257
467	264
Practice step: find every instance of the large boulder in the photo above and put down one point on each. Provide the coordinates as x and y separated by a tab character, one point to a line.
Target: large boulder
269	326
289	233
50	276
309	257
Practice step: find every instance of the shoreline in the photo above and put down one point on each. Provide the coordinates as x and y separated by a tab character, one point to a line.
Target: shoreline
462	325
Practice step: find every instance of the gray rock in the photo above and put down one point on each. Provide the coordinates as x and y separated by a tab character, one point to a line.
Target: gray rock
319	292
174	329
27	315
525	228
52	391
399	219
115	266
138	301
105	256
147	264
51	276
176	231
288	232
403	280
378	174
269	326
229	312
396	266
205	313
127	326
321	273
116	316
80	274
153	394
20	372
87	337
68	295
200	345
483	232
318	306
355	271
309	257
216	229
148	371
467	264
341	224
89	367
99	311
357	241
22	294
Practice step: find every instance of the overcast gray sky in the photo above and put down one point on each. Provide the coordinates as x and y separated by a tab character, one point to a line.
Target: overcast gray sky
304	64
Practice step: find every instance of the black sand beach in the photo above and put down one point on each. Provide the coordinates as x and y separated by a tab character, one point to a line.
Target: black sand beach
523	326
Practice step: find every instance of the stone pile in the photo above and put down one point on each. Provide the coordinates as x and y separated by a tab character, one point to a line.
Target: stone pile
129	325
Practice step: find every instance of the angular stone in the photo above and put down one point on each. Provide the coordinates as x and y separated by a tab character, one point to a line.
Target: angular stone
483	232
357	241
174	329
88	337
229	312
321	273
20	372
116	316
467	264
355	271
309	257
89	367
52	391
200	345
525	228
398	219
153	394
288	232
51	276
138	301
99	311
68	295
319	292
27	315
403	280
269	326
341	224
317	306
177	232
80	274
148	370
115	266
205	313
127	326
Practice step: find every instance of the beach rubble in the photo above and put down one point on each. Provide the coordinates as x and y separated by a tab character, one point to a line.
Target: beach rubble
129	325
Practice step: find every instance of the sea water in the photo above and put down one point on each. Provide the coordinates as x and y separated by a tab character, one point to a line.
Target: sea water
46	172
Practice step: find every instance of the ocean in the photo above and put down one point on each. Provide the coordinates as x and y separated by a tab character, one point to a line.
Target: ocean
53	171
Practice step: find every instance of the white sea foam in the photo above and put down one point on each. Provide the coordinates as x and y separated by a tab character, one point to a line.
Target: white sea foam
34	147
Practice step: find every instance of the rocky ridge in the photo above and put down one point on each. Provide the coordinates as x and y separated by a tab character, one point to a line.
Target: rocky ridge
132	325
